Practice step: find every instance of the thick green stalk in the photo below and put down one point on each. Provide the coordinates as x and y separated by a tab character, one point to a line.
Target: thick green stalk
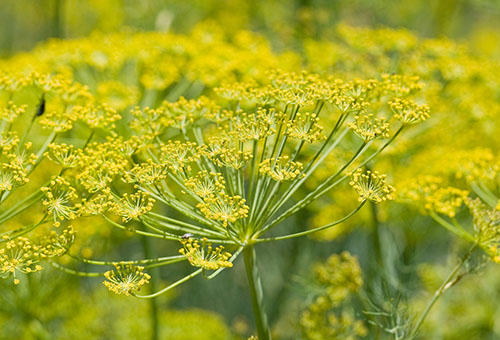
256	293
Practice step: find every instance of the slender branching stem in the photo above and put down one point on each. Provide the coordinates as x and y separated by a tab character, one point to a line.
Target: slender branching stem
73	271
313	230
173	285
447	283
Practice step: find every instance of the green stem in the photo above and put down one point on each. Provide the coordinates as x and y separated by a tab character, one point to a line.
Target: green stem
325	187
448	283
145	262
21	205
256	293
21	231
459	232
485	194
74	272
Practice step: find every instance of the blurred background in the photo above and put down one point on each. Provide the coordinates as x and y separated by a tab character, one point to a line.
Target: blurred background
73	308
27	22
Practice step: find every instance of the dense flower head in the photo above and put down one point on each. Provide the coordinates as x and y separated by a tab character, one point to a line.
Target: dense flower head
97	116
57	244
254	126
22	255
146	173
305	127
204	126
178	155
478	164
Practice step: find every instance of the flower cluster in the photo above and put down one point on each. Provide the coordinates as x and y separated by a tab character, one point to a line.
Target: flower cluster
430	194
367	127
19	256
204	255
486	227
225	208
371	186
328	316
59	200
133	206
282	169
126	278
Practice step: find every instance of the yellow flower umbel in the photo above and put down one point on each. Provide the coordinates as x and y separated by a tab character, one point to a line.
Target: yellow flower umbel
59	200
367	127
206	184
65	155
225	208
409	112
19	255
371	186
204	255
431	194
134	205
147	173
126	279
282	169
305	127
486	227
330	316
